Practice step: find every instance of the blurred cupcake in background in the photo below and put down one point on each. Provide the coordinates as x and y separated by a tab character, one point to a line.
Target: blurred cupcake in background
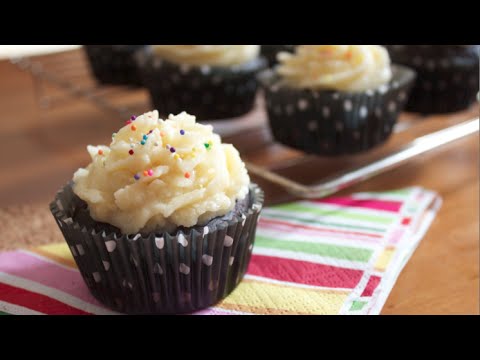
335	99
270	52
114	64
211	81
448	76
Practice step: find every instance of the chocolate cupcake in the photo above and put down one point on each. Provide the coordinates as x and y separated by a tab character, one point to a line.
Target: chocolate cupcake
163	220
448	76
114	64
335	99
270	52
211	81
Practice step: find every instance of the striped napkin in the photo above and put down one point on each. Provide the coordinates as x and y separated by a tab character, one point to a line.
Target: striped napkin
332	256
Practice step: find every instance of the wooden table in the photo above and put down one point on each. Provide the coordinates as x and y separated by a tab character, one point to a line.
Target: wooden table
41	148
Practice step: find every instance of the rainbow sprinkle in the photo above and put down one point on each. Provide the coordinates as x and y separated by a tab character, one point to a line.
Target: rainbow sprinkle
136	177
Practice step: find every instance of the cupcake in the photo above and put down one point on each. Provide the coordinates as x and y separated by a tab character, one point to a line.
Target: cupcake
448	76
163	220
210	81
270	52
335	99
114	64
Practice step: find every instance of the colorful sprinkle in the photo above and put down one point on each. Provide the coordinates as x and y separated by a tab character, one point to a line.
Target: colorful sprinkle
187	175
133	118
131	152
145	173
176	156
143	142
150	172
145	137
182	132
136	177
208	145
133	127
100	152
162	134
172	150
129	122
150	132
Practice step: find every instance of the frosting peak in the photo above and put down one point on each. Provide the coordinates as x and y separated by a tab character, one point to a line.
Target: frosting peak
161	174
336	67
214	55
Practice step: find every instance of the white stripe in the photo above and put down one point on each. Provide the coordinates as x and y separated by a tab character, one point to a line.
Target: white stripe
317	239
292	255
54	294
291	284
17	309
300	215
331	225
233	312
47	259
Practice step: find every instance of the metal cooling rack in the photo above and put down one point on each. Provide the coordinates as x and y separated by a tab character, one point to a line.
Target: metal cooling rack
73	80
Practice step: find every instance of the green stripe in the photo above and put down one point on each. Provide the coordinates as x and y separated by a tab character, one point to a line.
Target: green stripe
358	305
333	251
317	222
337	213
3	313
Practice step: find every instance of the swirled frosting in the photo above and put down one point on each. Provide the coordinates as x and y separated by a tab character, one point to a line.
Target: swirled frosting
161	174
352	68
215	55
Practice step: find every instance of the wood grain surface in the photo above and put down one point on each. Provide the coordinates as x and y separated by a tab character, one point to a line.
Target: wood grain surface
41	147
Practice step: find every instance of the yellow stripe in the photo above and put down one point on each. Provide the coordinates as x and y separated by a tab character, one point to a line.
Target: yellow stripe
384	259
266	298
59	253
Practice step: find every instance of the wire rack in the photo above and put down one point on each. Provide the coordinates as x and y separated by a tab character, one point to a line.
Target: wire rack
57	80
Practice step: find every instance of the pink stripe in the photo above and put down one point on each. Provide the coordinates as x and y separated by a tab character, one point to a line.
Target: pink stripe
34	269
396	236
393	206
371	285
314	233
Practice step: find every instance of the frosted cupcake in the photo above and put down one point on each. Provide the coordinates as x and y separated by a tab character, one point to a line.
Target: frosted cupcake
448	76
335	99
114	64
211	81
163	220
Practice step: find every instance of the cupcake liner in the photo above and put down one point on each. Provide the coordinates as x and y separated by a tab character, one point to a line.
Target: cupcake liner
447	76
159	273
114	64
335	123
270	52
209	92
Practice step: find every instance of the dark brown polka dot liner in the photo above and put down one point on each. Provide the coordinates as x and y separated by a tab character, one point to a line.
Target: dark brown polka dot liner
114	64
331	122
160	273
447	76
211	93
